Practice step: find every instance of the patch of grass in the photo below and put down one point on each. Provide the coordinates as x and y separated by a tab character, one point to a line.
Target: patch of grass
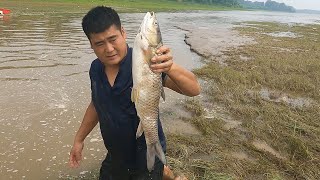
288	65
194	107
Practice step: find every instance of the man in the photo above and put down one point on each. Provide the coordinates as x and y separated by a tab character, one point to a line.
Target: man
111	106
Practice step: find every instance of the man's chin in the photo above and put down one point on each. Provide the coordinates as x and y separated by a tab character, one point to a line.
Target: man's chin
115	61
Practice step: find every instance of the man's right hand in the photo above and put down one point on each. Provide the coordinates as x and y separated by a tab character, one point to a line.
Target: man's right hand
76	155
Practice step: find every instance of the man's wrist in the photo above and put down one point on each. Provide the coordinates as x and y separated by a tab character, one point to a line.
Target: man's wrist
169	72
78	140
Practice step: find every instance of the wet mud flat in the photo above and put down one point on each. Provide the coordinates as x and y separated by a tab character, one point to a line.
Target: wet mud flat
258	115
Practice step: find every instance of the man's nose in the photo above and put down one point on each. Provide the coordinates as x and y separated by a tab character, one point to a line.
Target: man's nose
109	47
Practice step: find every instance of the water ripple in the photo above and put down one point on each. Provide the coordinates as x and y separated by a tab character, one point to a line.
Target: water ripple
28	67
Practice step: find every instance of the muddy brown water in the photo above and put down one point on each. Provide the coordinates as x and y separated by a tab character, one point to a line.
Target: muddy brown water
45	88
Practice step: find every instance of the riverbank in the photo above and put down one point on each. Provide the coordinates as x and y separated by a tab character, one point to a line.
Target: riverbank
260	115
120	6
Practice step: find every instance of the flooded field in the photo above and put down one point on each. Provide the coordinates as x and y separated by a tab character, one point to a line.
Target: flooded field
45	87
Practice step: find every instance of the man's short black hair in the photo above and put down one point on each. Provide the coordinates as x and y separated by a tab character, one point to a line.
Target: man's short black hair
99	19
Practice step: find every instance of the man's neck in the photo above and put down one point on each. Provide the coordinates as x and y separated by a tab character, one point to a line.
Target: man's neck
112	72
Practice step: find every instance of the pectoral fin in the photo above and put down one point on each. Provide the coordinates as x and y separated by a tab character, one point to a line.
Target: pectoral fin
139	130
163	94
134	95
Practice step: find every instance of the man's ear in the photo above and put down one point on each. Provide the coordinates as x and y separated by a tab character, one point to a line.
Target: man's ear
90	42
123	32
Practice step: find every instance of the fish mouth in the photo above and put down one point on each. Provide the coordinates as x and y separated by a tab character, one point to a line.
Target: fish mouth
147	18
151	15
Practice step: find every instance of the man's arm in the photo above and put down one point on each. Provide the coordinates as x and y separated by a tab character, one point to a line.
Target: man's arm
182	81
178	78
89	121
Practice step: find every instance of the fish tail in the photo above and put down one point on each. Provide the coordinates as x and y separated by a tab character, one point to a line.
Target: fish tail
154	150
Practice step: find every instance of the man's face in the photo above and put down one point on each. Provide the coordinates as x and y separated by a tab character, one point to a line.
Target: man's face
109	46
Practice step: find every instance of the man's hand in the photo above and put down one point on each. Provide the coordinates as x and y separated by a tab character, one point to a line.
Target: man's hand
162	62
76	155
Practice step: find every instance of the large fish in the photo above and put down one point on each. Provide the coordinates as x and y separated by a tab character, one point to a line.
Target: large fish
147	86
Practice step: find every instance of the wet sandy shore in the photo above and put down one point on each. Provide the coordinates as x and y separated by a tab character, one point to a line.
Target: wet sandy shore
211	42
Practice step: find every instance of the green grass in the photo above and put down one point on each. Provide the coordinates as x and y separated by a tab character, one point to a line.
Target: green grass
289	68
119	5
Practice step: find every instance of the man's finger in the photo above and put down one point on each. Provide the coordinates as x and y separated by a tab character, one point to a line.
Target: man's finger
74	160
165	65
71	162
74	164
161	58
163	50
165	57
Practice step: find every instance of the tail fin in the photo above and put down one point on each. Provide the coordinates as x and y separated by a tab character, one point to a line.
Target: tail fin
154	150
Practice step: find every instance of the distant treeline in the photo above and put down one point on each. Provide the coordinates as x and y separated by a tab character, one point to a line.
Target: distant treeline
229	3
268	5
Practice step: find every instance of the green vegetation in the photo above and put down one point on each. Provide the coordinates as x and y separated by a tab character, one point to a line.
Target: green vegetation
275	95
268	5
119	5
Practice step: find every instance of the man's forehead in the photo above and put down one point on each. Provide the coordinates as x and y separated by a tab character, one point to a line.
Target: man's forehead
108	33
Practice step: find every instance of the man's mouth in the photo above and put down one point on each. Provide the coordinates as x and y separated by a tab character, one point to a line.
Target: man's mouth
110	56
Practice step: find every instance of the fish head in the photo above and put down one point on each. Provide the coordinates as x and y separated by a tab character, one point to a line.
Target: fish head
150	29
